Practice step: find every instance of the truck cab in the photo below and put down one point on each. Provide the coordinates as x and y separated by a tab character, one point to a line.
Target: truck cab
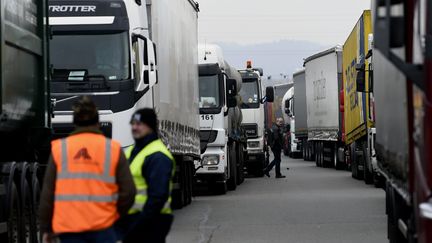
291	144
222	137
253	101
109	58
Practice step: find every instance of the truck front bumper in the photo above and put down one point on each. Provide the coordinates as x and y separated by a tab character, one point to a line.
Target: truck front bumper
208	170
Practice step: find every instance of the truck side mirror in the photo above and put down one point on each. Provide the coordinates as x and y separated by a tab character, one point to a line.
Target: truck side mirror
360	79
231	93
269	94
150	76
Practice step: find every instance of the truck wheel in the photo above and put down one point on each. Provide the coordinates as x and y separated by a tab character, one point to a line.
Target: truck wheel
367	167
354	168
335	159
14	232
232	181
304	153
240	165
26	207
36	190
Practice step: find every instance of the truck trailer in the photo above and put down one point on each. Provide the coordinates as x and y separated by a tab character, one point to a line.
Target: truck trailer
323	78
300	111
359	120
128	55
24	116
223	140
253	102
402	85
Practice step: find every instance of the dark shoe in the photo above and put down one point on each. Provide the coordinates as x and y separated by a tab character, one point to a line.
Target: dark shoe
266	173
280	176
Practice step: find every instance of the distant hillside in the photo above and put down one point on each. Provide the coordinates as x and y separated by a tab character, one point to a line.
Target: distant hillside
276	58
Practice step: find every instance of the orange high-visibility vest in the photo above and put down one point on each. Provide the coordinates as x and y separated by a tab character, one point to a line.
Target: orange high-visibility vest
85	191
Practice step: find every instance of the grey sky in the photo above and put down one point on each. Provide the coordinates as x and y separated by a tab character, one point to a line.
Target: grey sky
326	22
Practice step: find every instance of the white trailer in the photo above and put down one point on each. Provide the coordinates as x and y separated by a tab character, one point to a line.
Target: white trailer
222	137
323	82
129	55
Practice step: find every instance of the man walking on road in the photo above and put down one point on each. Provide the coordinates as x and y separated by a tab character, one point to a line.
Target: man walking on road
152	167
87	183
276	144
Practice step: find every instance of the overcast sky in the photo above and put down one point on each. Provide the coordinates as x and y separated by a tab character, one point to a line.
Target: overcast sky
325	22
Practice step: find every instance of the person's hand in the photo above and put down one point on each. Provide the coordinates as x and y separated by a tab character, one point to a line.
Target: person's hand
48	238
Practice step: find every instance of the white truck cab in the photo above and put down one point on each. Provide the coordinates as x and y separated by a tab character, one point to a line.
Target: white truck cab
253	100
221	134
291	144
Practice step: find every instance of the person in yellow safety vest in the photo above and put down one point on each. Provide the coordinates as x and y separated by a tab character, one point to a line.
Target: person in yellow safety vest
152	167
87	184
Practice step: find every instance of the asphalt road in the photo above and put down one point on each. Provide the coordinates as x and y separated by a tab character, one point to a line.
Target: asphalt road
311	205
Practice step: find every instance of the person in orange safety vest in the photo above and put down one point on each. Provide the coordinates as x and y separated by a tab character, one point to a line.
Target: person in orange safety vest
87	184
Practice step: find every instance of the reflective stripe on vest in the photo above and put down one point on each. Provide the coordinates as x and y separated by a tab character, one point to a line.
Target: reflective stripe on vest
140	182
86	192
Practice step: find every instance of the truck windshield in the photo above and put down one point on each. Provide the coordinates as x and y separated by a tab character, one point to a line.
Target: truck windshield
77	56
250	94
209	87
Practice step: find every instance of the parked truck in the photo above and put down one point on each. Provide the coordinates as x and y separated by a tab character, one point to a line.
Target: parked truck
300	111
291	146
253	102
24	116
223	140
359	121
323	78
129	55
402	85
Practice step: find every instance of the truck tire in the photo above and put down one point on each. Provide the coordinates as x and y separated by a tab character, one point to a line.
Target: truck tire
36	191
304	152
367	167
232	181
26	209
335	158
14	222
353	159
240	165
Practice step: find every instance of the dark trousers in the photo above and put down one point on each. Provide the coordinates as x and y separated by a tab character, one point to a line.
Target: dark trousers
102	236
276	162
136	229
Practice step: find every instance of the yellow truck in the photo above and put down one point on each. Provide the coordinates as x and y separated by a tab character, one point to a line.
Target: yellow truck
359	129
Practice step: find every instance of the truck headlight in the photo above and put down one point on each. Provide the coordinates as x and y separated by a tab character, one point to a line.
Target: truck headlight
210	160
255	144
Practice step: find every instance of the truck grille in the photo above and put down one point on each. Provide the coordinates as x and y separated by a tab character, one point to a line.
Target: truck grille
251	130
62	130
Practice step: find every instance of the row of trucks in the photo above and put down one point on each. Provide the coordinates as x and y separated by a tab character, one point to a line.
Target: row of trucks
331	122
125	55
366	106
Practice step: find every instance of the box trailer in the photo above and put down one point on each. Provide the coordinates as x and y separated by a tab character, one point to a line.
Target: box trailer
323	77
359	120
300	111
402	83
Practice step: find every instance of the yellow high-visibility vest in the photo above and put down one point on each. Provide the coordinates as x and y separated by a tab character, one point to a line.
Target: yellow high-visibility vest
140	182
